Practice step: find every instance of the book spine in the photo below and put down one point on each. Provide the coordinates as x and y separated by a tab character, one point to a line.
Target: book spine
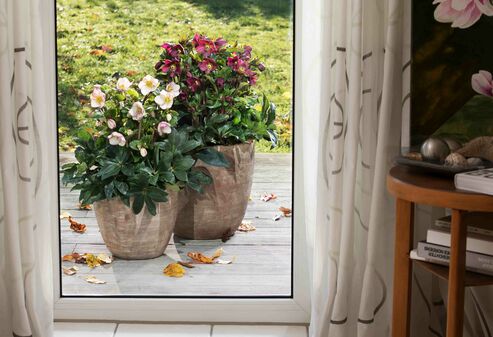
440	254
475	243
445	225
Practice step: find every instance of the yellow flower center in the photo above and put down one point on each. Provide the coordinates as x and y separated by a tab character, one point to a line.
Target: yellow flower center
172	67
167	99
99	99
149	84
241	70
209	66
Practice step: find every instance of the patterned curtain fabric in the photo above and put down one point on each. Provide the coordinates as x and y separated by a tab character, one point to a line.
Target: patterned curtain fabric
355	91
27	168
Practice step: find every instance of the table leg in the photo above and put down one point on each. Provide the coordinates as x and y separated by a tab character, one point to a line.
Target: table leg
455	307
404	231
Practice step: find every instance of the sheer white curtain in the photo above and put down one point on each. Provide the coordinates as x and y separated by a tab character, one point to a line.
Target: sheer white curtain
355	88
27	171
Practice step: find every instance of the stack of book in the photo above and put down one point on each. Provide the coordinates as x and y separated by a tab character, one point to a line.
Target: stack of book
479	254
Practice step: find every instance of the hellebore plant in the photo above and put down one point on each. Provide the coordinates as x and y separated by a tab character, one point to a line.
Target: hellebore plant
133	150
217	104
482	83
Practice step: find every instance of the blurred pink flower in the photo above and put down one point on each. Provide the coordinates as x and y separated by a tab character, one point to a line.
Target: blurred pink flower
207	65
482	83
117	138
98	98
111	123
462	13
163	128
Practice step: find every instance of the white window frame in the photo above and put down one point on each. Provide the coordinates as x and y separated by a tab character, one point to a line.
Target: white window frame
210	310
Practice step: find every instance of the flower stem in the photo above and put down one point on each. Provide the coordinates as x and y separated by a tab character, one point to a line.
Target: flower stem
140	129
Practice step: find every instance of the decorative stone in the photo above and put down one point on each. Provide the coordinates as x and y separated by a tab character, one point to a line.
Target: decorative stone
456	160
435	150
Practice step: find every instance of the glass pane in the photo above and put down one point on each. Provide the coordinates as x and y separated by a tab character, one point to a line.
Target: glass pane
150	205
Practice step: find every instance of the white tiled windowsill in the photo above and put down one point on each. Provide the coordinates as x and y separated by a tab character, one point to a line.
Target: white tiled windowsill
68	329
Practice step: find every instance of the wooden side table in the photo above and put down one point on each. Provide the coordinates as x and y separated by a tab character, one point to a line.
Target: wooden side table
411	187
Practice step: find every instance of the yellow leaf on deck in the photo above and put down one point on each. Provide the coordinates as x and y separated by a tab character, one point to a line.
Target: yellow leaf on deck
200	258
70	271
104	259
174	270
92	261
246	226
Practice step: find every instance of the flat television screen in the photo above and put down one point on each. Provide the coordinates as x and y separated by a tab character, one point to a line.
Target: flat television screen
452	63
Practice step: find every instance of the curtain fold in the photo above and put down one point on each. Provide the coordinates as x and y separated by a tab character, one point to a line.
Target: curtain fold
27	168
355	100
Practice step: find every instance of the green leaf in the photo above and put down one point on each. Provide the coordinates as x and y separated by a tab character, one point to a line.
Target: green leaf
189	145
138	203
213	157
151	206
134	144
128	170
181	175
110	169
82	168
217	118
168	177
121	187
272	137
183	163
157	194
83	135
108	190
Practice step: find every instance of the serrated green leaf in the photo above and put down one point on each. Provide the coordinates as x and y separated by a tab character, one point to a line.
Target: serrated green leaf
181	175
183	163
213	157
110	169
121	187
108	190
157	194
151	206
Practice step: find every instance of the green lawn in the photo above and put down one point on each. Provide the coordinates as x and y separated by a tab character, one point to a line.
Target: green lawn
98	38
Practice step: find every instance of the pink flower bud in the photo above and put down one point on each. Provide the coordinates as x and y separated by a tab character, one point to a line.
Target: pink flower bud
163	128
111	124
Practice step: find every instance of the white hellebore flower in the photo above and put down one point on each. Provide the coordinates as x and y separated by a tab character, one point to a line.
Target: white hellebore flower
137	111
163	128
148	84
168	117
164	100
123	84
117	138
111	123
173	89
98	98
143	152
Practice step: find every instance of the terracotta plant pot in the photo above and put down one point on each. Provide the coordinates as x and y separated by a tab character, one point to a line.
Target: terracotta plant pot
218	211
135	237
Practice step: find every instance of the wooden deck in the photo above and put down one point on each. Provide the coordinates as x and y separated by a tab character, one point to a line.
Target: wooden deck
262	265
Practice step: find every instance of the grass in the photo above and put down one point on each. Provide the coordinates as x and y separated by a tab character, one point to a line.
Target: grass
99	38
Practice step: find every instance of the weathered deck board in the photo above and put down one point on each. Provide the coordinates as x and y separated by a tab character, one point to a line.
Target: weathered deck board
262	259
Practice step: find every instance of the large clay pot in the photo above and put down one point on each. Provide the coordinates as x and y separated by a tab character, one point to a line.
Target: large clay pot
136	236
218	212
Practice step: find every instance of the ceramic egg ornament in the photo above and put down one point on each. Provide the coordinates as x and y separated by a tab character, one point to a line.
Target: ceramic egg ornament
435	150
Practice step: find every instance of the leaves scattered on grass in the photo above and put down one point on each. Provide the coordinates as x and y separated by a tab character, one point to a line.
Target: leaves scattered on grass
76	226
268	197
246	226
174	270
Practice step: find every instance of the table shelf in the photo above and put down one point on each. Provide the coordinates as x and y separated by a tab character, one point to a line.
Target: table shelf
472	279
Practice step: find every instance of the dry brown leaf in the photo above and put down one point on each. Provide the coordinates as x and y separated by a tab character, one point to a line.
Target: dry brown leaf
285	211
84	207
186	264
104	259
76	226
131	72
97	52
174	270
107	48
217	253
268	197
94	280
64	215
91	260
200	258
246	226
74	257
70	271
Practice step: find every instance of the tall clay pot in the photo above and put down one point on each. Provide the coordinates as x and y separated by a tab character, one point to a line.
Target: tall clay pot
218	211
136	236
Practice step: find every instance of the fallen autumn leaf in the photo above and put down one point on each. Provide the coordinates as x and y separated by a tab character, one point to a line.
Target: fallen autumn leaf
174	270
